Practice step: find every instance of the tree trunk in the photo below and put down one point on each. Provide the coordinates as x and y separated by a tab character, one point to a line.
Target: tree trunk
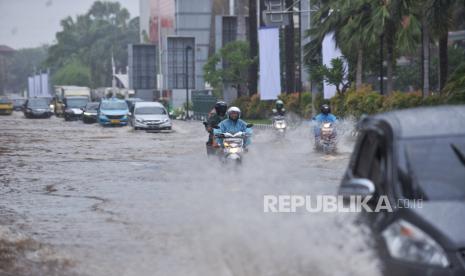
381	65
253	52
358	78
425	61
389	64
443	60
289	49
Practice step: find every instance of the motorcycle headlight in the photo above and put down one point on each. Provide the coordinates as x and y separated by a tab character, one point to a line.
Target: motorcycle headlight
327	125
407	242
234	150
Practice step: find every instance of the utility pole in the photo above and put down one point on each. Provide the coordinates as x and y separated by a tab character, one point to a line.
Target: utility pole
188	48
289	47
253	50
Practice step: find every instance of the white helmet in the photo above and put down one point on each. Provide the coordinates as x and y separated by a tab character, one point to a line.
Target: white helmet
234	109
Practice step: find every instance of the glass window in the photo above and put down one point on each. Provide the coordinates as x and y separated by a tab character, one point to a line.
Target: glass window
437	167
114	105
150	110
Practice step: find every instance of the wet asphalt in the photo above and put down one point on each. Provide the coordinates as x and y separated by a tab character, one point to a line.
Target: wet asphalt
81	199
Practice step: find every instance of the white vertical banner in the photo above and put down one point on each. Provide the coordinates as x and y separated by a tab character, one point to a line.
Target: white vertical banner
37	86
330	51
30	86
44	85
270	75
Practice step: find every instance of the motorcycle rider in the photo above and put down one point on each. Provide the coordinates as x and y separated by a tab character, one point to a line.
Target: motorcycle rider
233	124
279	109
324	117
214	120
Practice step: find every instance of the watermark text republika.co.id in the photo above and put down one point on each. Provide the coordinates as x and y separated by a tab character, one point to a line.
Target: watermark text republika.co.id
334	203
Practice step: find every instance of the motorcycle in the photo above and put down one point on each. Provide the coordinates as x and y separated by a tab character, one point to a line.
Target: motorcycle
326	142
280	125
233	146
211	145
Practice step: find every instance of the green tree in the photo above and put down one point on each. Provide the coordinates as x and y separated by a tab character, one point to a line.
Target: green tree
335	75
23	64
73	73
92	38
236	62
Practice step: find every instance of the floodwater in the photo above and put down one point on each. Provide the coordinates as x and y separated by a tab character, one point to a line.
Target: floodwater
80	199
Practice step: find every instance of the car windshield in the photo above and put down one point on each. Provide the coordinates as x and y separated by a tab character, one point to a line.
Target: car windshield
92	106
437	167
114	105
38	103
5	100
76	103
19	101
150	110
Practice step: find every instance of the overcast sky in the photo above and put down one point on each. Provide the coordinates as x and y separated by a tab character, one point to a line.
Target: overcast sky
31	23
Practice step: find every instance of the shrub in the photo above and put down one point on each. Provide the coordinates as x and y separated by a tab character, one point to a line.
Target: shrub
401	100
455	87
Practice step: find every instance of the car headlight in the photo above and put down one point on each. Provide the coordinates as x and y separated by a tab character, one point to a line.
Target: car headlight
407	242
140	120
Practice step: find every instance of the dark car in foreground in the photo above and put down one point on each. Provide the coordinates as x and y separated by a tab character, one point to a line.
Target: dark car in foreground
89	115
416	159
74	107
37	108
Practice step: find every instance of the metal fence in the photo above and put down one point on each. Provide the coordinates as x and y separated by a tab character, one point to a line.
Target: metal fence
202	105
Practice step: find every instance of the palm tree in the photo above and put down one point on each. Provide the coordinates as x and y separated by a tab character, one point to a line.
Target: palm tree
346	21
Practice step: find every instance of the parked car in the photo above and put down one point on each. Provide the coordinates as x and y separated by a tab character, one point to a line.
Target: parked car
37	108
113	112
90	112
415	158
18	104
150	116
6	106
73	107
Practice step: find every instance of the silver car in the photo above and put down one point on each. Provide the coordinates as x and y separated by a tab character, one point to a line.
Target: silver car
150	116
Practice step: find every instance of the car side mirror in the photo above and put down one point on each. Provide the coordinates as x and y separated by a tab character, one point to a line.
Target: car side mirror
249	125
357	187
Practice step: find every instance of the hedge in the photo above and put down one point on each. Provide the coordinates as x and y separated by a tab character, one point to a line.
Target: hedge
351	104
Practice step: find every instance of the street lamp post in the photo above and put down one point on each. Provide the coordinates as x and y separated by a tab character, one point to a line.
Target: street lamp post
188	48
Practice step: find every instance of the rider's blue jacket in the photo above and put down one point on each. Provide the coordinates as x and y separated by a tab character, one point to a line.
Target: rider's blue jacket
233	127
320	119
325	118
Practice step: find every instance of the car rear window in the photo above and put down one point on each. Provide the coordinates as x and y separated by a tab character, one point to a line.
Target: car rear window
437	167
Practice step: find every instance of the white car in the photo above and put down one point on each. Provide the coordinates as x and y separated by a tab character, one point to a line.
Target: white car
150	116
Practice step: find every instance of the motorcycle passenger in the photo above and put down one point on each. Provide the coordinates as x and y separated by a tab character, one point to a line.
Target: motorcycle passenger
324	117
214	120
279	109
233	124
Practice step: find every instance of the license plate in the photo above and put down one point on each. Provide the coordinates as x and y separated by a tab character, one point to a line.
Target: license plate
114	121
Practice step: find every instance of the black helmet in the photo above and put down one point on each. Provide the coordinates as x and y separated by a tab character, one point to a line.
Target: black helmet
279	104
325	109
221	108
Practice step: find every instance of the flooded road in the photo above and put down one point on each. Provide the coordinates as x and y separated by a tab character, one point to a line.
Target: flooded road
85	200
